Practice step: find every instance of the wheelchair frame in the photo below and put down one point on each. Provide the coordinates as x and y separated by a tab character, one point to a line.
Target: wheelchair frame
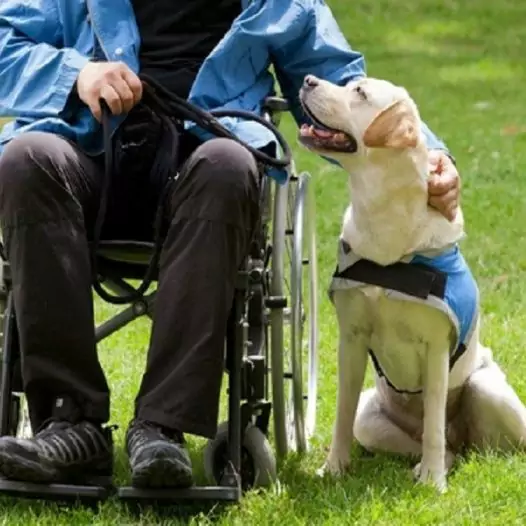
255	339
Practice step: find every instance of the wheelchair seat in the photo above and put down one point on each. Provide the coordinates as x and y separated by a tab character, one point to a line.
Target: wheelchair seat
118	260
124	251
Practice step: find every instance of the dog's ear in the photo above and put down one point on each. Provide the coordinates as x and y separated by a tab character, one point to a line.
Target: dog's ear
394	127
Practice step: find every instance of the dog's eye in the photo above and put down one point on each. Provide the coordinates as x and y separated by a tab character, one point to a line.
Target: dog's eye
361	92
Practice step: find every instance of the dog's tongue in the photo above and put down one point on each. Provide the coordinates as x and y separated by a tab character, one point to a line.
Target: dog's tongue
323	134
312	131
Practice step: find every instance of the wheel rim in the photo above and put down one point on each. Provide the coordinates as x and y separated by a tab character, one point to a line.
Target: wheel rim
276	317
295	364
303	319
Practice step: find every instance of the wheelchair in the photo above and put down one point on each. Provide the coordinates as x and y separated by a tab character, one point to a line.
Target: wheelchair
271	351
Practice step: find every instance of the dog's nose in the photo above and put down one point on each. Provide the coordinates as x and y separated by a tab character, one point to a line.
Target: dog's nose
310	82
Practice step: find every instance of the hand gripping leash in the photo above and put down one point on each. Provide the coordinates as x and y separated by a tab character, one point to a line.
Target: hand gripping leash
170	109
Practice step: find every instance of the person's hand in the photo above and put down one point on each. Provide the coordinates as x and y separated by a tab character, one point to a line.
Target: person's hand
113	82
443	184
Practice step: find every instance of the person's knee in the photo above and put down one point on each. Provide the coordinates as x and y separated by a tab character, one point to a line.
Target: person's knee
227	169
219	183
21	166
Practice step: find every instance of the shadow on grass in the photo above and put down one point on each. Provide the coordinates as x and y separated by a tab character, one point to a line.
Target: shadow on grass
372	475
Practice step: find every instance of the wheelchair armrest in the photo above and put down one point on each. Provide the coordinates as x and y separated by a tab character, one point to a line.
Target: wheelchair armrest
276	104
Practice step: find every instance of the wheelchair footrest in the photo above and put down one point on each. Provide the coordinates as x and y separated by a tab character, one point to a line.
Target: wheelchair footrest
169	496
58	492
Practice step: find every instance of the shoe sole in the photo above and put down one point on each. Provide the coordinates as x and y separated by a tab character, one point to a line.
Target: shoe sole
15	467
22	469
162	473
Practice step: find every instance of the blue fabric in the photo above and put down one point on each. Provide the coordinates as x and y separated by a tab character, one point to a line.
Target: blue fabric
45	43
461	298
462	295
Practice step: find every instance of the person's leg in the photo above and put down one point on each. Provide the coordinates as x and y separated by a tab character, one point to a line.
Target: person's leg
49	192
214	209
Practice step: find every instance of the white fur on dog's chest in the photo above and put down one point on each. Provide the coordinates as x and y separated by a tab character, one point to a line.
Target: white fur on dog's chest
402	326
398	332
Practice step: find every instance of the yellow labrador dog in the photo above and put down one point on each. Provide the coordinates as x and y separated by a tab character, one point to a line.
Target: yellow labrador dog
403	294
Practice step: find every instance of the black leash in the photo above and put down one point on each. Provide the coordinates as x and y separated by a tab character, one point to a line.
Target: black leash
170	108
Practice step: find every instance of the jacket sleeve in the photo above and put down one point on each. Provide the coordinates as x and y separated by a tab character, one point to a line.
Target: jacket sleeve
316	45
37	74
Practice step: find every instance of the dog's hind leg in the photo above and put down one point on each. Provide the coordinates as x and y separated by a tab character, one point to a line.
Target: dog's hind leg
494	414
376	432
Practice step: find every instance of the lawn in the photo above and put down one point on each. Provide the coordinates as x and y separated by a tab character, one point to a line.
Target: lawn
464	64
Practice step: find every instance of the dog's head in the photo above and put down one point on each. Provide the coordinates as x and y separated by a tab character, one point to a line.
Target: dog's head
366	113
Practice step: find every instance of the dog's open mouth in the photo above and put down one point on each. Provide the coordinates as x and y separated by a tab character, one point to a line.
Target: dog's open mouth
324	139
321	137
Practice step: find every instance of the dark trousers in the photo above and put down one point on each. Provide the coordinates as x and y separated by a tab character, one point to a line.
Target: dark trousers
49	196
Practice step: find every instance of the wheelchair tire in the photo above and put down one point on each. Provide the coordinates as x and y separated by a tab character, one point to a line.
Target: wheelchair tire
258	463
16	405
294	345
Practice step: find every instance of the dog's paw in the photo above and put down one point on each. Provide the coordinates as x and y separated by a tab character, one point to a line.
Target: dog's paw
334	467
323	471
425	474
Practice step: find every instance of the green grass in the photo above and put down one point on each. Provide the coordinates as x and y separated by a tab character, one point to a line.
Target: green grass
464	64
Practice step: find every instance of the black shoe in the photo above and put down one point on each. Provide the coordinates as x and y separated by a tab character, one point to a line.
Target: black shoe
62	452
158	457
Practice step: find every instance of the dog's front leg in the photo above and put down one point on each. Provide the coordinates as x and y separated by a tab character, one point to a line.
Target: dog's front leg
432	468
352	364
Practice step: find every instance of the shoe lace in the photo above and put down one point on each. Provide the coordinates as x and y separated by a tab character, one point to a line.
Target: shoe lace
71	442
143	431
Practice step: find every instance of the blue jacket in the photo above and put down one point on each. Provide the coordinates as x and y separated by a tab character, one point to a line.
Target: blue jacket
45	43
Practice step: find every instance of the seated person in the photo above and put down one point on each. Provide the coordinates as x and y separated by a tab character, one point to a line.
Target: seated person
57	60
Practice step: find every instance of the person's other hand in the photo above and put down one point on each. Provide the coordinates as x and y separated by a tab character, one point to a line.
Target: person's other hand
443	184
114	82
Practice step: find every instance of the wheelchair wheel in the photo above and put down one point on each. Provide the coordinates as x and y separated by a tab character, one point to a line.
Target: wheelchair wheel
258	463
17	418
294	329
